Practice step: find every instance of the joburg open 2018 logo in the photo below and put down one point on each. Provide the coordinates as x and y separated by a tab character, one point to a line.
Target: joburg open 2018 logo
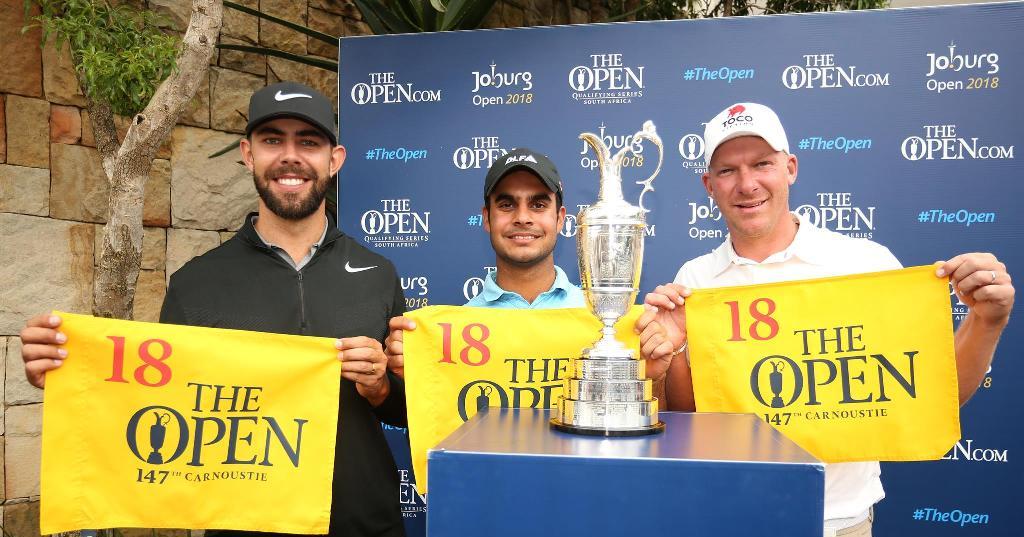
395	225
953	70
705	220
385	88
514	87
606	79
415	288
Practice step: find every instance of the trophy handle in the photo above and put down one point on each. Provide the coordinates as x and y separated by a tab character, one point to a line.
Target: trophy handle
611	166
651	134
610	179
600	150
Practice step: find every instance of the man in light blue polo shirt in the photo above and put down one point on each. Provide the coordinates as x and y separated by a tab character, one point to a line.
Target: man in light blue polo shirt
522	214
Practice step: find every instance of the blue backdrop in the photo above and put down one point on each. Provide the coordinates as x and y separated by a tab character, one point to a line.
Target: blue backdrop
905	123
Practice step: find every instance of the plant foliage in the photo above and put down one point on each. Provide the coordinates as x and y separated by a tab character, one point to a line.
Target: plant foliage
695	9
120	55
410	16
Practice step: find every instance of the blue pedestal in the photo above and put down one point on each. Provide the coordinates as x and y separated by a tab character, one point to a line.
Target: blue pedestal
506	473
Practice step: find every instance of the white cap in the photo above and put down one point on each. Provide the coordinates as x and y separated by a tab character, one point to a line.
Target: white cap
744	119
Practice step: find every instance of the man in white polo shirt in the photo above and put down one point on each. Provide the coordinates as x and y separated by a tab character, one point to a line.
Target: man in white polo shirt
750	171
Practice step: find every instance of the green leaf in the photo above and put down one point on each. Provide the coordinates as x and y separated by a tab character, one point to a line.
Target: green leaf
410	10
371	19
438	5
119	54
382	20
431	16
466	14
306	60
327	38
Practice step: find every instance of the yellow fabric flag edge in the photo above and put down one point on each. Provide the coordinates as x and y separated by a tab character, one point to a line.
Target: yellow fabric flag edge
70	504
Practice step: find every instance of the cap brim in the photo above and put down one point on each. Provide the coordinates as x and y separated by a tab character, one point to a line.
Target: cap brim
552	184
738	134
304	117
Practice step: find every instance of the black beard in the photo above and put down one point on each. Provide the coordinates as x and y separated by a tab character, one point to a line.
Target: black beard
298	209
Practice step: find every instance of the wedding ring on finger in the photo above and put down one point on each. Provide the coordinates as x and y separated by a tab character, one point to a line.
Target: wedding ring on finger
993	273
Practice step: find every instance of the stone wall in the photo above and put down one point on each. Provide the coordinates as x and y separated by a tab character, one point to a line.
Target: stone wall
53	192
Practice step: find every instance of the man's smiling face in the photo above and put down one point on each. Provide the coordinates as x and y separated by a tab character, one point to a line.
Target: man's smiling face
522	217
292	163
749	180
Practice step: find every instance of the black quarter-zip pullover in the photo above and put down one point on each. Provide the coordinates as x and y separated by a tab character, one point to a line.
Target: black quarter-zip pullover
243	284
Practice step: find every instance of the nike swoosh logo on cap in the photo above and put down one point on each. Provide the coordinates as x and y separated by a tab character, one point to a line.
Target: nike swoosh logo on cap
285	96
350	268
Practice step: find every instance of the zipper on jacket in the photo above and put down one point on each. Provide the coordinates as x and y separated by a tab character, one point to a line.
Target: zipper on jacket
302	304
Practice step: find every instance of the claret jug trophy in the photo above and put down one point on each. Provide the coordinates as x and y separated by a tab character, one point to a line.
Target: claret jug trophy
606	392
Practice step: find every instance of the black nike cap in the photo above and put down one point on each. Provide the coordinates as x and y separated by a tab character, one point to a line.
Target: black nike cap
291	99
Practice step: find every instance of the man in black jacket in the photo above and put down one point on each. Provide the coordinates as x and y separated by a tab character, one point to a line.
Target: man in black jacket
289	270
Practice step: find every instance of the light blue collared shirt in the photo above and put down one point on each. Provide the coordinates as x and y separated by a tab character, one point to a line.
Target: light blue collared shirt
563	294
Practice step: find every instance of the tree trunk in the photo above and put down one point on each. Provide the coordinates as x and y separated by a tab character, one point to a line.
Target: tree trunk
127	165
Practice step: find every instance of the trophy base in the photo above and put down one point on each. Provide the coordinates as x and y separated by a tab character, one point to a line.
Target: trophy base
606	369
601	431
606	415
610	391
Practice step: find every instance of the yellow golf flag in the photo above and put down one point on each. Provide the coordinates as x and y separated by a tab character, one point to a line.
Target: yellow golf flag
851	368
163	426
460	359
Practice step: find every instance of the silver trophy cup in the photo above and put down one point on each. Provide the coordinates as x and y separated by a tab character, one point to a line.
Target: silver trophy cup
606	392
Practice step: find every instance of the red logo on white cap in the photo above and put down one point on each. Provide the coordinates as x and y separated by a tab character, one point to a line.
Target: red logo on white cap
736	110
